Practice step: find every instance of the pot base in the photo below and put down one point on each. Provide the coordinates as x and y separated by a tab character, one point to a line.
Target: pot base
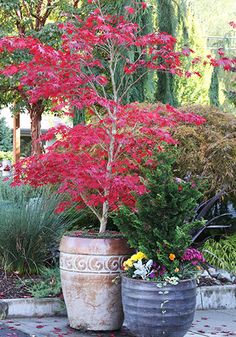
153	312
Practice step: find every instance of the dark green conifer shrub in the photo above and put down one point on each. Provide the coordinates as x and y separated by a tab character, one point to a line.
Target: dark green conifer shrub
161	224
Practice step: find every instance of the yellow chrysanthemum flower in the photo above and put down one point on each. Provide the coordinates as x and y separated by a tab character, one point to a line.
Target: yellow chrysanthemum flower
141	256
128	263
138	256
134	257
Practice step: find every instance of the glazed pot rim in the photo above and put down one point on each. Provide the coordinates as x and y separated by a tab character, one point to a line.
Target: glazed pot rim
154	282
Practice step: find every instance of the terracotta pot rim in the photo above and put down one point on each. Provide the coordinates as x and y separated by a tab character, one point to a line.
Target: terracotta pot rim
154	282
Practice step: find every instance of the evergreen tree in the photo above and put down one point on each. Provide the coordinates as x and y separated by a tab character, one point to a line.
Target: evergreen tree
214	88
167	22
193	90
5	136
176	18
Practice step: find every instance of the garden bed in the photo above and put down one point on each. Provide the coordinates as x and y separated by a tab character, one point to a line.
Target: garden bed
13	286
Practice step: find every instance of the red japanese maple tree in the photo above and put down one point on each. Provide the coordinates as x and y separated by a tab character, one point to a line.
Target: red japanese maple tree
98	164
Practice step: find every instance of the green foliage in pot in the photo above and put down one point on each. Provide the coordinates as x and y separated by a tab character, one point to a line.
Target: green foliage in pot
221	253
161	225
30	229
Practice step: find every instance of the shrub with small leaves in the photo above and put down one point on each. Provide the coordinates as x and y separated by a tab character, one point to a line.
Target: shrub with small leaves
48	286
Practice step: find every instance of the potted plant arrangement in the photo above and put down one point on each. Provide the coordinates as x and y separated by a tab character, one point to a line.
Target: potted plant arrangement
97	164
159	287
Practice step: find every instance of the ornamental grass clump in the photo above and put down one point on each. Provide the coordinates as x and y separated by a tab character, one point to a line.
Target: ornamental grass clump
160	226
30	229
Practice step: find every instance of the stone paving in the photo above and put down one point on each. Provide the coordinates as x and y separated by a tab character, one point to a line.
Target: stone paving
218	323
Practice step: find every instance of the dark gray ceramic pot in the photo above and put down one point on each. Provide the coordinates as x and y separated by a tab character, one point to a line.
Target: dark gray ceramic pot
154	312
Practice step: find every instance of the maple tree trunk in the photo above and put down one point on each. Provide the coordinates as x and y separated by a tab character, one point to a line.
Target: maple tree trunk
106	206
112	135
104	219
35	117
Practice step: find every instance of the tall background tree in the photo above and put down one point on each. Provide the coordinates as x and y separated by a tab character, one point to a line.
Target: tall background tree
213	18
214	88
22	18
177	18
167	22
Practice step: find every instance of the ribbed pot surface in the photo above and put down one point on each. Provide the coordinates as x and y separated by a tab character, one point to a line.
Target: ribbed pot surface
154	312
88	269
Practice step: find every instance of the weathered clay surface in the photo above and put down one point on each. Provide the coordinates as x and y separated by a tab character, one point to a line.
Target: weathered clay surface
89	268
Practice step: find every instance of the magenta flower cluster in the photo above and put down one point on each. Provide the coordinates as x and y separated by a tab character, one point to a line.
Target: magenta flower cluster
193	255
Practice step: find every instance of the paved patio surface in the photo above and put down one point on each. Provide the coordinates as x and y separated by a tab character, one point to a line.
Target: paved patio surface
219	323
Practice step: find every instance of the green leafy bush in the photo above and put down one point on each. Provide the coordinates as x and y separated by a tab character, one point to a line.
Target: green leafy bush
48	286
222	253
209	150
30	229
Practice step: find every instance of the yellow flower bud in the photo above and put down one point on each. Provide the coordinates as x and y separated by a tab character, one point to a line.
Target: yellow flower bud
172	257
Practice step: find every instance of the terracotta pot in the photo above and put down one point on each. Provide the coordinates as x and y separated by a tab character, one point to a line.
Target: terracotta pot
89	267
153	312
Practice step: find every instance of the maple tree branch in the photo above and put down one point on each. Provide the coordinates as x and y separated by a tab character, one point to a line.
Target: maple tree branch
47	12
39	8
97	113
19	17
75	4
132	84
91	207
26	8
125	75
